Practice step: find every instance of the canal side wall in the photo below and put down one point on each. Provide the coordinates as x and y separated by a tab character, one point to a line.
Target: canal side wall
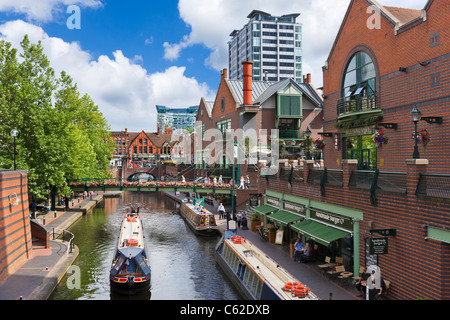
15	230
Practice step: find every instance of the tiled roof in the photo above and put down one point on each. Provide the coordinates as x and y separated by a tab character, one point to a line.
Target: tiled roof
404	15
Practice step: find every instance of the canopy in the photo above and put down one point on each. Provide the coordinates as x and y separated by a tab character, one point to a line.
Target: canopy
284	217
265	209
319	232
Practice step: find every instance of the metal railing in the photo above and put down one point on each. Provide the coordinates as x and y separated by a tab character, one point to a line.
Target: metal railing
434	185
63	233
357	103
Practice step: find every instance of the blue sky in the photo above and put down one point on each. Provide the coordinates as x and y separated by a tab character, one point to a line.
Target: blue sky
131	55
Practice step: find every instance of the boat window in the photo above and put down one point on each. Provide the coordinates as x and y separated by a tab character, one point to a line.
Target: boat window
258	289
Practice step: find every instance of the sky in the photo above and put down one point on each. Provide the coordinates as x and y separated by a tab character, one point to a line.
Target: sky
130	56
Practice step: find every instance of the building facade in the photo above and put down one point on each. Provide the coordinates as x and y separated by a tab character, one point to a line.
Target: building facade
175	118
274	44
374	203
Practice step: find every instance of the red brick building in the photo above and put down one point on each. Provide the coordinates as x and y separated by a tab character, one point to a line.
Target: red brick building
15	228
381	65
384	61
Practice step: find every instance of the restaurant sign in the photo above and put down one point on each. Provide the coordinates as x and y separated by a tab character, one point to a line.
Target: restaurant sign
295	207
273	201
334	220
378	246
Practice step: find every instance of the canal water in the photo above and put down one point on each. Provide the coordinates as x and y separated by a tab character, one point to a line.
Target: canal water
183	265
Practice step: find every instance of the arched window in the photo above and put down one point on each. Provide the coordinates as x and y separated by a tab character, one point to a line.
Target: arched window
360	76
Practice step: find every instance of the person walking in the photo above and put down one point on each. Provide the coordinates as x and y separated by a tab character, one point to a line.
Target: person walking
221	210
220	181
241	185
239	219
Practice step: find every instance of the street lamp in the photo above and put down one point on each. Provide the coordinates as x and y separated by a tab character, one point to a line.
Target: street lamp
415	117
307	134
14	133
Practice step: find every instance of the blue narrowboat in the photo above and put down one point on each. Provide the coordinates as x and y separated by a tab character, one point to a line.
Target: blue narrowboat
130	271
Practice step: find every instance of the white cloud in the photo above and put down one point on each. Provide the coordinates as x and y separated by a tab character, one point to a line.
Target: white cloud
212	21
124	91
44	10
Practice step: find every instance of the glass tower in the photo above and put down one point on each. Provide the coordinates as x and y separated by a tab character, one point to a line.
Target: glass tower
176	118
274	44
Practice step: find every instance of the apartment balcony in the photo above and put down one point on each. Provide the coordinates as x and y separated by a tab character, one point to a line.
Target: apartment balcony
357	104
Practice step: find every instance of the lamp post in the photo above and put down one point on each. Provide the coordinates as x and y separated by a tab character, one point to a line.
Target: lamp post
14	133
308	134
415	117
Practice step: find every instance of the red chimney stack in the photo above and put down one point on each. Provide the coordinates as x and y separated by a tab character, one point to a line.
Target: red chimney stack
247	82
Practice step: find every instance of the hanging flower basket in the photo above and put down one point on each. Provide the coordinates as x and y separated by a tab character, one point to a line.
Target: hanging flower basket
379	138
319	144
423	138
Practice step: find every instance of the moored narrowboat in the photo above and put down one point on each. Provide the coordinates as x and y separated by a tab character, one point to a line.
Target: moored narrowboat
199	219
254	274
130	271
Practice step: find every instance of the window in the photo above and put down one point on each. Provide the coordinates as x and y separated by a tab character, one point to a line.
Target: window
434	39
289	105
360	76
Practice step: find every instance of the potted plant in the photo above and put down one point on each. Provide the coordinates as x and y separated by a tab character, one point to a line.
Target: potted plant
254	219
423	137
272	234
319	144
379	139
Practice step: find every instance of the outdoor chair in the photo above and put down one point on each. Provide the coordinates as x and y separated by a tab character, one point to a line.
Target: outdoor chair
337	270
327	265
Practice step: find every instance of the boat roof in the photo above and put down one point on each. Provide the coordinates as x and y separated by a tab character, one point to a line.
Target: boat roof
265	268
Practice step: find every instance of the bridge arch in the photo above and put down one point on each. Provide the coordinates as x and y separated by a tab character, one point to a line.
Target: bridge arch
141	176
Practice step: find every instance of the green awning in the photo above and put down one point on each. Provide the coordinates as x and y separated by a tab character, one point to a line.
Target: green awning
318	232
284	217
265	209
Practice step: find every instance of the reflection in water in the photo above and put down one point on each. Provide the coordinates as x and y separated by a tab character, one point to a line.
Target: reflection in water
183	265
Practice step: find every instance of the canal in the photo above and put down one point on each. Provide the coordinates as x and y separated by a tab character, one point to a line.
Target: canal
183	265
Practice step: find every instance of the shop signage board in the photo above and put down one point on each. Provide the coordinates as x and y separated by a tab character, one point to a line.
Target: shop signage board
378	245
273	201
279	237
295	207
332	220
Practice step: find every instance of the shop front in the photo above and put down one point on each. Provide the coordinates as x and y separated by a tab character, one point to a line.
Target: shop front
333	230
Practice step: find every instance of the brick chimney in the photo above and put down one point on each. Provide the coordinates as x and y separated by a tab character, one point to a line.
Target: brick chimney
247	82
307	78
223	74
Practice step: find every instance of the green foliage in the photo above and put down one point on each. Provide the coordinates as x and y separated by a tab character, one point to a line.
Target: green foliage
61	134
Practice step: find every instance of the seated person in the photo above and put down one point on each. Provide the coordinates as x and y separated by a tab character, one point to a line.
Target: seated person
298	248
363	276
306	252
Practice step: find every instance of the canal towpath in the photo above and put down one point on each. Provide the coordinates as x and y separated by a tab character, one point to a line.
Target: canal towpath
38	276
307	273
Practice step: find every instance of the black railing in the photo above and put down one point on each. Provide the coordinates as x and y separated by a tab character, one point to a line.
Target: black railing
357	103
434	185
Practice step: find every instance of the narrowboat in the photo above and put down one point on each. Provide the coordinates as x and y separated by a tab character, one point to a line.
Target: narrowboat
254	274
130	271
200	220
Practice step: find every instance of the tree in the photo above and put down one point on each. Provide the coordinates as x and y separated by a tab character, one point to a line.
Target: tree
61	134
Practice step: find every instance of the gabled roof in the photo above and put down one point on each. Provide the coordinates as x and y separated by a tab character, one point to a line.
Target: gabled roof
208	106
258	87
397	17
263	90
159	139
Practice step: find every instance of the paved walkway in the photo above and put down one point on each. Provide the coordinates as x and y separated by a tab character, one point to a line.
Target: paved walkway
37	277
307	273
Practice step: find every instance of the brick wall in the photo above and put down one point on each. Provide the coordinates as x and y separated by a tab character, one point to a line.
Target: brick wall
416	267
15	231
397	91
